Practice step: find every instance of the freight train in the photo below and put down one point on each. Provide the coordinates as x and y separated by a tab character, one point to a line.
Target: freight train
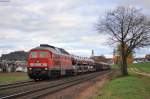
46	61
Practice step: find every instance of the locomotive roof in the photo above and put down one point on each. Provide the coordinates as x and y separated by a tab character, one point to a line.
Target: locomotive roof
52	48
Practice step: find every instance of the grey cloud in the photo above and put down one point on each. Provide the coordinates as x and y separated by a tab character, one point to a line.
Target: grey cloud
68	24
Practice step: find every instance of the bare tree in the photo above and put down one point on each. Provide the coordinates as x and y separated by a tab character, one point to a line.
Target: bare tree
128	27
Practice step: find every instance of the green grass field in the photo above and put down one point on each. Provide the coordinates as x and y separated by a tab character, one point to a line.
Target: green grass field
129	87
12	77
145	67
115	66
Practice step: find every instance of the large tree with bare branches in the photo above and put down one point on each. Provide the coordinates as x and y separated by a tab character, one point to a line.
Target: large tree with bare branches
126	26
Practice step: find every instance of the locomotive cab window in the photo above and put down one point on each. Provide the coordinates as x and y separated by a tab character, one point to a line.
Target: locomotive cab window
33	54
43	54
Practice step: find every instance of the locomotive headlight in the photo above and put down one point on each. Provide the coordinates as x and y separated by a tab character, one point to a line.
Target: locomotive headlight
31	64
46	69
30	68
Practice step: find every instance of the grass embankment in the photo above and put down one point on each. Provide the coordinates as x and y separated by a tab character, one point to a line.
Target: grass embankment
12	77
129	87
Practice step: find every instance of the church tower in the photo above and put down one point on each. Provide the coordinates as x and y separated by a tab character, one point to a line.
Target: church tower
92	53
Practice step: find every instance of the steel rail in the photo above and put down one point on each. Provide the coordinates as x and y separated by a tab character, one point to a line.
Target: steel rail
18	82
14	85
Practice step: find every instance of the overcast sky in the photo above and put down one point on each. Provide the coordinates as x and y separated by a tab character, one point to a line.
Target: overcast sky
69	24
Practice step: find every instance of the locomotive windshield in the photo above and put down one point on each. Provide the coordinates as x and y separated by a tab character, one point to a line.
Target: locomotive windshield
43	54
38	54
33	55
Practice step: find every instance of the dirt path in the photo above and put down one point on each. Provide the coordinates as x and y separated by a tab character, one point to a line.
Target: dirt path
137	71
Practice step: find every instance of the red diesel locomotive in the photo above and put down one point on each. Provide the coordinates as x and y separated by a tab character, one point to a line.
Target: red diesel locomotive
47	61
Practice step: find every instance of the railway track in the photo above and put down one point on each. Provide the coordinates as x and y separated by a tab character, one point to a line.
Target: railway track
17	84
51	87
21	83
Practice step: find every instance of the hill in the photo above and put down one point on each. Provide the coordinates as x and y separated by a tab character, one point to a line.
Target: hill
17	55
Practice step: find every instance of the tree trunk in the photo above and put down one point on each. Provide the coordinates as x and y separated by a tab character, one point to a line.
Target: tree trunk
124	62
124	66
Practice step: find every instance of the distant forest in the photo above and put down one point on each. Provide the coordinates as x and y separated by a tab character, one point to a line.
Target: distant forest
15	56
